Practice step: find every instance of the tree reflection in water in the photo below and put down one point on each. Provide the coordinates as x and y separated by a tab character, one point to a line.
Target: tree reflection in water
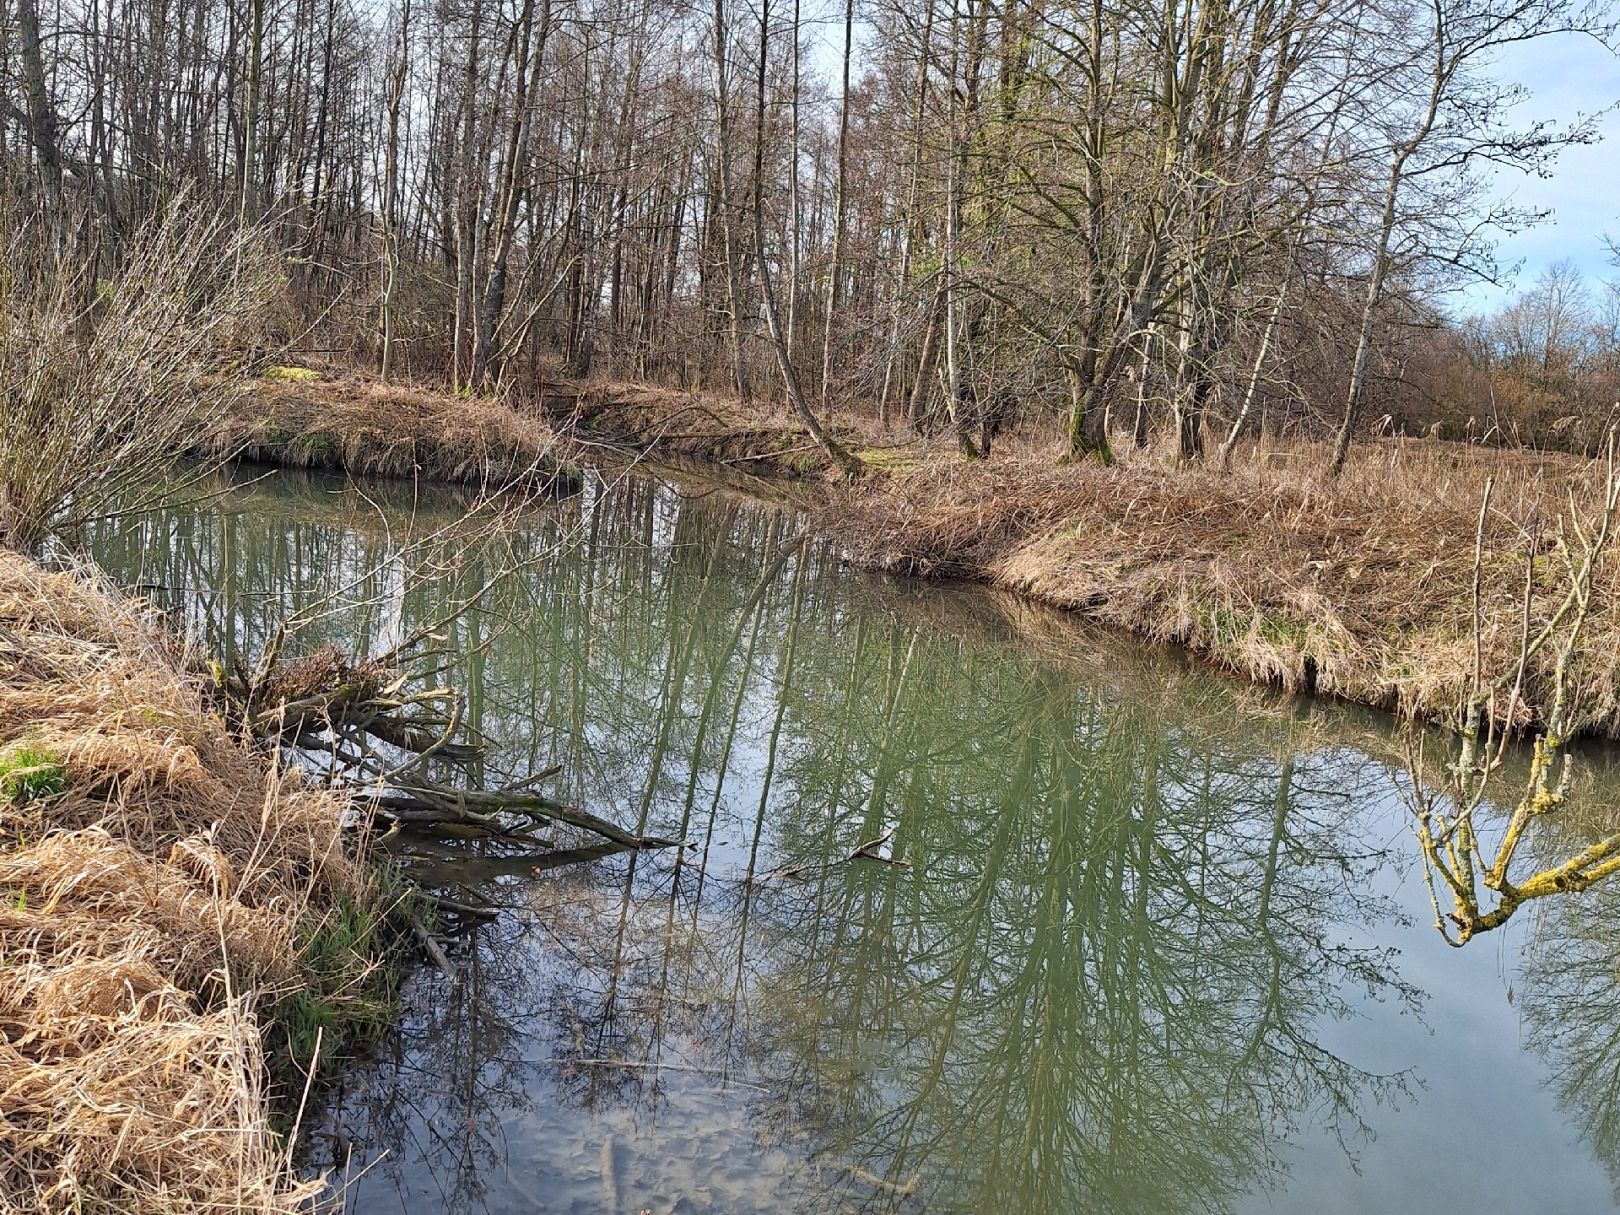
1571	994
962	923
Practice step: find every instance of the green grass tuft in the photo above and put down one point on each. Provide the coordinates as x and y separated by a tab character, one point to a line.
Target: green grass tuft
28	772
351	986
295	375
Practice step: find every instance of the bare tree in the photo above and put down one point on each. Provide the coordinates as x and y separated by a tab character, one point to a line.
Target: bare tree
1440	115
840	456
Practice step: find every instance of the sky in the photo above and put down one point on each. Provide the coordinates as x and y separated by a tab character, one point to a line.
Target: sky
1567	76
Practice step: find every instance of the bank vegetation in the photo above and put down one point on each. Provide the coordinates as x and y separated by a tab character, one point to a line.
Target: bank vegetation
186	932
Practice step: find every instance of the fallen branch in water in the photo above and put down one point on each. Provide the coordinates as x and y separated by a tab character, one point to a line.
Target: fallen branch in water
867	851
900	1189
352	701
1468	862
434	951
357	720
429	805
442	903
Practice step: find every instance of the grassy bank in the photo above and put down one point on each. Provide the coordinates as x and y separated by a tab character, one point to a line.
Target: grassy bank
299	419
1360	587
180	928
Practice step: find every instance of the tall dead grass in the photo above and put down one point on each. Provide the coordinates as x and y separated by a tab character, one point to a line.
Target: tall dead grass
156	901
354	425
303	418
1359	587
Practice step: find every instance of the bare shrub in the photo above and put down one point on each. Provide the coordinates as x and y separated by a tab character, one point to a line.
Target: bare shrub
105	383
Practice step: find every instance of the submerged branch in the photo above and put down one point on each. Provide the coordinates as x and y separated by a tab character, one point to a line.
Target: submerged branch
357	722
430	805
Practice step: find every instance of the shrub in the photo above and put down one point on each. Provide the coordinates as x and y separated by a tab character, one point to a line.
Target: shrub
105	382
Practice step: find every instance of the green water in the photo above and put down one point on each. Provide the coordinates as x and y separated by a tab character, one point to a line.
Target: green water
1124	936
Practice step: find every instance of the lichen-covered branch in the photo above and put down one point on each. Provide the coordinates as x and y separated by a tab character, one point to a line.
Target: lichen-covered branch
1477	877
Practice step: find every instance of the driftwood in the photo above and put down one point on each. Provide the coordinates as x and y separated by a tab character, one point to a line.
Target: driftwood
443	903
434	951
399	743
429	805
867	851
364	727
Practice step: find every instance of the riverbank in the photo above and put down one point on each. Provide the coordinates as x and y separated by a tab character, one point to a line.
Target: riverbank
1360	588
300	419
183	931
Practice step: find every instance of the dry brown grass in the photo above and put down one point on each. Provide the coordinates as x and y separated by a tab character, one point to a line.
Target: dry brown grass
153	901
359	426
302	418
1360	587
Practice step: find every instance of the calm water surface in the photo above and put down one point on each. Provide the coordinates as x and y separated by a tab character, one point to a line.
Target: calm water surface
978	910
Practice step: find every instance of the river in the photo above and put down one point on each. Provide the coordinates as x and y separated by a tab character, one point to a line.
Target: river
978	910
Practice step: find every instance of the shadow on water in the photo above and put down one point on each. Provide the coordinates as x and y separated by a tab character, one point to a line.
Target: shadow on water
976	910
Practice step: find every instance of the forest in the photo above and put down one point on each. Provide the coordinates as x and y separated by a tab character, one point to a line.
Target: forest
1120	220
708	607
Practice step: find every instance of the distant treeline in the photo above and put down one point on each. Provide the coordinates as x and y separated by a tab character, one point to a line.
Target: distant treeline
1136	216
1542	370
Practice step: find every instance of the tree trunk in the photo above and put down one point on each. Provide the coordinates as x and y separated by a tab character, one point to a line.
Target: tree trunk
390	200
1249	393
250	123
839	208
728	237
42	121
835	451
486	358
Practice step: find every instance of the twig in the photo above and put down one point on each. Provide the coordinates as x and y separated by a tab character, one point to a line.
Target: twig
431	948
